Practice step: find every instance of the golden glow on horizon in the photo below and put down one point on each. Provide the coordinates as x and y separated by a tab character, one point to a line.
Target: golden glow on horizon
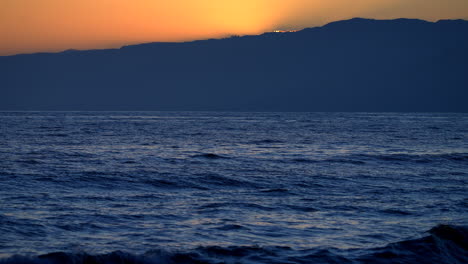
53	25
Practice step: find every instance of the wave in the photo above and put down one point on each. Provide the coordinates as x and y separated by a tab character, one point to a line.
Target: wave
275	191
419	158
209	156
445	244
362	159
266	141
395	212
229	205
57	135
213	179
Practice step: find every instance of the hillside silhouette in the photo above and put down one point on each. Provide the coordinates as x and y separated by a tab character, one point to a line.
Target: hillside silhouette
352	65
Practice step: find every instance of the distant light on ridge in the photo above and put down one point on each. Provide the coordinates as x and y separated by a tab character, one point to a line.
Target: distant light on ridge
284	31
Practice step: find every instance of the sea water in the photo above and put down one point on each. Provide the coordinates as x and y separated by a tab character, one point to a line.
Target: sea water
212	187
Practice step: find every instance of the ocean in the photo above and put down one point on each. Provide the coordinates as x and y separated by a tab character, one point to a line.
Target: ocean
216	187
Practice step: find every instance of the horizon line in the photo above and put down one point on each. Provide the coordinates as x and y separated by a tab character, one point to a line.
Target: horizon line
232	111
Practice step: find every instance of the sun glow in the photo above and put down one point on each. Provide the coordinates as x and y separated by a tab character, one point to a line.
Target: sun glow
58	24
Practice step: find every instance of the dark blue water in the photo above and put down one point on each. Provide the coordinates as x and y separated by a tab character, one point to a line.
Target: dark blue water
202	187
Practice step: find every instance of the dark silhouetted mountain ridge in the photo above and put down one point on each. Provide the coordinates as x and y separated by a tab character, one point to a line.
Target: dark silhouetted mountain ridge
353	65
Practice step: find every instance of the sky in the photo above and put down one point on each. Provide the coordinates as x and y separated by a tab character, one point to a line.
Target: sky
28	26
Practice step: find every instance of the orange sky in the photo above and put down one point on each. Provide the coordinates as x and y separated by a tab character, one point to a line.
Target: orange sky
52	25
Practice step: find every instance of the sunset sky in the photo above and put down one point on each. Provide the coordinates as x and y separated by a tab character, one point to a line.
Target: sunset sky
53	25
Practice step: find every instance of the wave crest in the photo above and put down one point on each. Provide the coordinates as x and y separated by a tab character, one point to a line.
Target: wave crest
445	244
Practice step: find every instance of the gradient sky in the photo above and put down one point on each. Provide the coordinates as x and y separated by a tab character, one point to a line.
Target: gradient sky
52	25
